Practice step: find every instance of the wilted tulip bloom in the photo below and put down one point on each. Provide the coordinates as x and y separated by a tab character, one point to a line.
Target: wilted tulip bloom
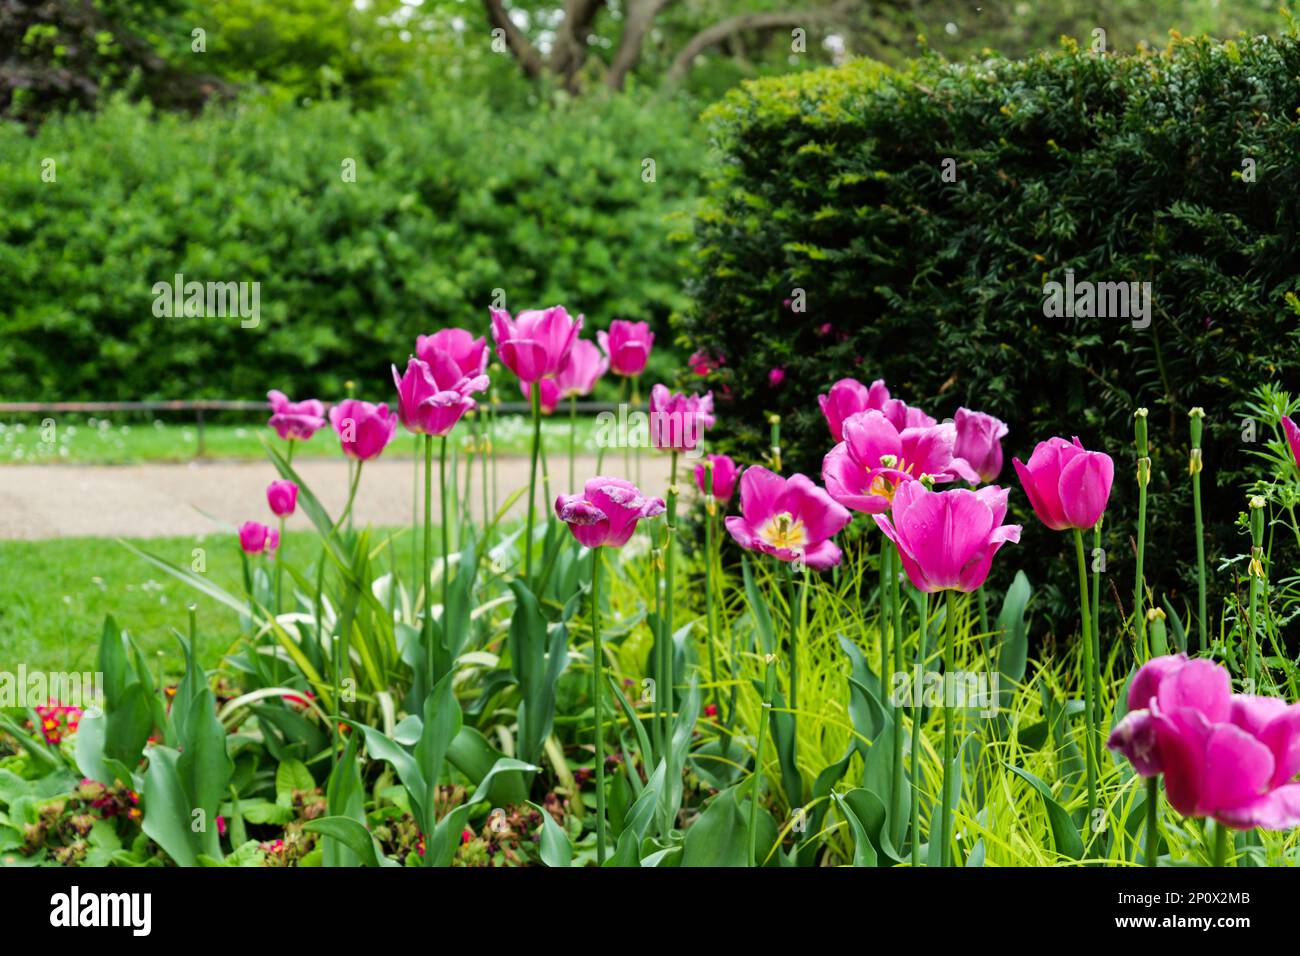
364	429
255	538
724	477
469	354
678	420
864	470
282	496
536	343
432	396
549	396
581	372
849	397
296	421
947	540
979	442
606	513
1292	438
628	345
1227	756
791	519
1067	485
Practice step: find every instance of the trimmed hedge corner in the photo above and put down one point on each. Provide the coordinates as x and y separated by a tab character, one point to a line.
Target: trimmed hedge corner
832	196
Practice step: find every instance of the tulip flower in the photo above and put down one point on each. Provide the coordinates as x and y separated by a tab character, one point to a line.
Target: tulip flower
364	429
1292	438
282	496
603	516
848	397
606	513
724	477
947	540
1067	485
295	421
583	369
678	420
433	396
469	354
536	343
257	538
875	458
979	442
627	345
1228	756
791	519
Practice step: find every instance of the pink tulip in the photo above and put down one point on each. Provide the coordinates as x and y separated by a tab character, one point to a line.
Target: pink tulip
364	429
791	519
979	442
947	540
582	371
875	458
549	398
678	420
469	354
724	477
1227	756
432	396
849	397
536	343
606	513
296	421
256	538
1067	485
1292	438
775	377
628	345
282	496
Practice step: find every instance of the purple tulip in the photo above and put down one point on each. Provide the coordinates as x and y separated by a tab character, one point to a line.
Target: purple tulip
469	354
432	397
363	429
979	442
282	496
536	343
582	371
849	397
606	513
947	540
791	519
628	345
678	420
724	477
295	421
1067	485
257	538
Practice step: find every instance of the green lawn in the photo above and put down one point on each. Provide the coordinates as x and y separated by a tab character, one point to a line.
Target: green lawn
133	439
54	596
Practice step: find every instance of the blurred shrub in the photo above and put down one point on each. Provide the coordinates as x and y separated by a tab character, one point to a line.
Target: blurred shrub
451	201
1118	168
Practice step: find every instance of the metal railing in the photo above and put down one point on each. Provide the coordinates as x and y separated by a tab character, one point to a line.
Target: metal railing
201	405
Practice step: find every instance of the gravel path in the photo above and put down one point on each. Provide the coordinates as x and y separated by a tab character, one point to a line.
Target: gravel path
53	501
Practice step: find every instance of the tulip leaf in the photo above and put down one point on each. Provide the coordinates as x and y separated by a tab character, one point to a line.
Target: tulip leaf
1065	836
554	846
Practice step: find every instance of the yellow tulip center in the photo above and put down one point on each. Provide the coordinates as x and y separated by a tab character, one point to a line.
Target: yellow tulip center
783	531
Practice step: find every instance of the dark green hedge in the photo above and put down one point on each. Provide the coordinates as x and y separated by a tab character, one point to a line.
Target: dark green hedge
452	200
1121	168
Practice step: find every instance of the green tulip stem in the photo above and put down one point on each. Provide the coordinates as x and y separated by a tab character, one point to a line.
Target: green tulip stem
945	809
426	584
1153	820
442	502
769	679
1194	467
916	732
597	697
534	395
1088	710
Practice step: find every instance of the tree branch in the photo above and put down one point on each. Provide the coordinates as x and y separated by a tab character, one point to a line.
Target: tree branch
570	50
774	20
636	27
530	61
